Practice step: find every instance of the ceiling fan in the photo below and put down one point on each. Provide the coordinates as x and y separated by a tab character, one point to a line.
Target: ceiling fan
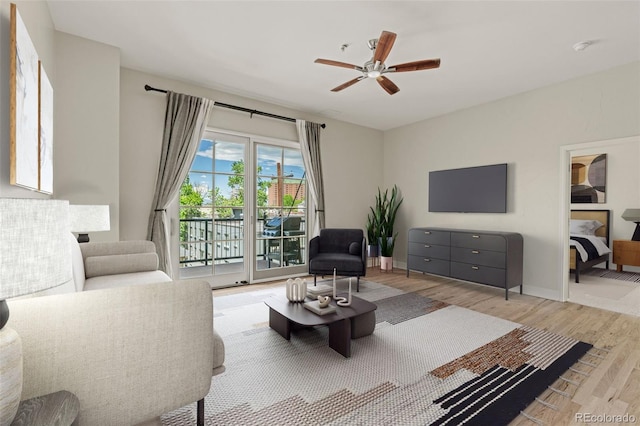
375	67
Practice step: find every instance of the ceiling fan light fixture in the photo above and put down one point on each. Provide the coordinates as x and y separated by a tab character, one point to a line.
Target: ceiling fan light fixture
375	67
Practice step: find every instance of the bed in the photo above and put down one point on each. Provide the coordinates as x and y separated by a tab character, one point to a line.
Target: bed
588	240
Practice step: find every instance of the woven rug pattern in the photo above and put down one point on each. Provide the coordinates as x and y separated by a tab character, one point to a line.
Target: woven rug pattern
426	363
614	275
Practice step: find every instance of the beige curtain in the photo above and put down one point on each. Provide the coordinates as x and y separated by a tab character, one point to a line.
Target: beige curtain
309	136
185	121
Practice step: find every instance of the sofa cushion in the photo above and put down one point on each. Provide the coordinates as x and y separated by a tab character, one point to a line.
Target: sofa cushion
218	353
118	247
120	264
124	280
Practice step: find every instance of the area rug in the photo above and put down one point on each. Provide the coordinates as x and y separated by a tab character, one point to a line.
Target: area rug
614	275
426	363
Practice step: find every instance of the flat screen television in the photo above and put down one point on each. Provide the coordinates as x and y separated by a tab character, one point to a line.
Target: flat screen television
480	189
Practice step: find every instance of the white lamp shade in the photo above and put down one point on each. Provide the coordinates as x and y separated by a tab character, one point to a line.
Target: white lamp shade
89	218
632	215
34	248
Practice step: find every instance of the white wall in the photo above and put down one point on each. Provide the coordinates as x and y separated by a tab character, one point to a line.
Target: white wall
349	152
36	18
87	105
525	131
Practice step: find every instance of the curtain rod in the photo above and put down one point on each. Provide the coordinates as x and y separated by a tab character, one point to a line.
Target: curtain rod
237	108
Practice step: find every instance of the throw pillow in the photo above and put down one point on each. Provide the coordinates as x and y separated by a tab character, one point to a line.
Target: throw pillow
584	227
354	248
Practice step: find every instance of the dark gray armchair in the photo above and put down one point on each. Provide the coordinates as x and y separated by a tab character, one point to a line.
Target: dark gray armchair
343	249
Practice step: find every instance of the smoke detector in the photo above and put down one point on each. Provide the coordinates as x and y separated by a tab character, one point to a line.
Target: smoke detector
580	46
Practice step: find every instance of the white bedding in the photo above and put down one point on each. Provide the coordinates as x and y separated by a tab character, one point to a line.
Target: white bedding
598	242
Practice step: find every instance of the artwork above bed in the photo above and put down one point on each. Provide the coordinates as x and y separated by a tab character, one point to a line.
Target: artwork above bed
588	178
588	240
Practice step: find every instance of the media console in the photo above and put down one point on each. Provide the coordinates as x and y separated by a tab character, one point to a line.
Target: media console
483	257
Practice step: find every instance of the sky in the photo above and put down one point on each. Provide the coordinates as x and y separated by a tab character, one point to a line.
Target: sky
226	153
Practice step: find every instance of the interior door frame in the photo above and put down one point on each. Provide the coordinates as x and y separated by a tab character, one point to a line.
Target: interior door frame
565	199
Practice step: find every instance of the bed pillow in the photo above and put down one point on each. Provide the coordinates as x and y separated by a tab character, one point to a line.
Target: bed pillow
584	227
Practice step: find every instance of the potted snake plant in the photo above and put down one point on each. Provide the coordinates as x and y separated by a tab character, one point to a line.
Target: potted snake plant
386	210
372	235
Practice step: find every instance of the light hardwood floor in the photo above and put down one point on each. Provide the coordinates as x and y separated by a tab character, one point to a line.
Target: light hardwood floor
612	387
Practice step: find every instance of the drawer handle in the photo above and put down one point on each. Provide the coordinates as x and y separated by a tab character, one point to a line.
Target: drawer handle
427	232
475	252
475	267
475	236
427	260
427	246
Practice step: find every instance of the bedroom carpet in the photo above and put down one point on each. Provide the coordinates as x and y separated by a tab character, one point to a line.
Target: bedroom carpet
426	363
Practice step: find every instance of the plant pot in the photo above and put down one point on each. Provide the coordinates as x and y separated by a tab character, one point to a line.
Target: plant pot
372	251
386	263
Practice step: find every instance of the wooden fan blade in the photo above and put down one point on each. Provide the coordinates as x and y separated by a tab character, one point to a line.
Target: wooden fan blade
385	43
337	64
388	85
347	84
415	66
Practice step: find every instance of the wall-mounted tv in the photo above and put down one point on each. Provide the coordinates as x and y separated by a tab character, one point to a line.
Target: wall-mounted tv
480	189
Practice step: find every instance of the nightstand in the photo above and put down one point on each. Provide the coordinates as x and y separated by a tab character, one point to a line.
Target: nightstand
55	409
626	252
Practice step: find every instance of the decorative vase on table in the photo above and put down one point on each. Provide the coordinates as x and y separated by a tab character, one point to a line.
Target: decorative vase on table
296	290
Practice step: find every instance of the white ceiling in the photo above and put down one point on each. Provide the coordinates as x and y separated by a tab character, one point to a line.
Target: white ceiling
265	49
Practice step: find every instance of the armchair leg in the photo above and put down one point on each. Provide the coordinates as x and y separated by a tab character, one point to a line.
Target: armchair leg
315	276
358	284
200	417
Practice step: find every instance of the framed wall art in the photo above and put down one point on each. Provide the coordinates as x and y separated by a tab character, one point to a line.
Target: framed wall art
45	136
24	105
589	179
31	112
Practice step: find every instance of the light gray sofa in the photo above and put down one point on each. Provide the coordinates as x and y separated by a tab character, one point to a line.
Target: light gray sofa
137	345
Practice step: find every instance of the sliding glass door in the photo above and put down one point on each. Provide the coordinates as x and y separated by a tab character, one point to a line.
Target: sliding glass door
240	223
281	211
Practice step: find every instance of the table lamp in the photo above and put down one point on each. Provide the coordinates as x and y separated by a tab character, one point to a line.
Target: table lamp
34	255
88	218
633	215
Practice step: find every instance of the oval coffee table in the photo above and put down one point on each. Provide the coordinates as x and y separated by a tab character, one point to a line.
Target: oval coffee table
346	323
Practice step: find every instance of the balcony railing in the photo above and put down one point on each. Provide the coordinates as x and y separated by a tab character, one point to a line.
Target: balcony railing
204	241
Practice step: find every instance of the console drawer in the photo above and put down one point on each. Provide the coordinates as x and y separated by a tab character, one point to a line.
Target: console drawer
429	265
481	274
494	259
479	241
421	235
429	250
